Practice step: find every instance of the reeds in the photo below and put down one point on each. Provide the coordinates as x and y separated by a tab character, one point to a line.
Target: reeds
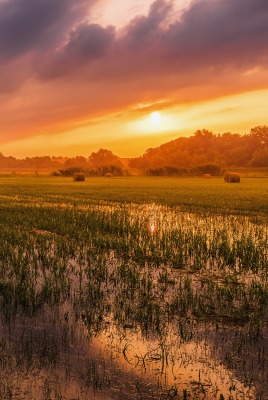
127	274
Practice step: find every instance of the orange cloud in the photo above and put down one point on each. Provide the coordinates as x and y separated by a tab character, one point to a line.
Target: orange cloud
59	69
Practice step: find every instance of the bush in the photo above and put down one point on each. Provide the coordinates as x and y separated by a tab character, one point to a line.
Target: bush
56	173
212	169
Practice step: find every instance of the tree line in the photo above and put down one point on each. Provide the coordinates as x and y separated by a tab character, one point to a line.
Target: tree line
204	149
97	164
202	153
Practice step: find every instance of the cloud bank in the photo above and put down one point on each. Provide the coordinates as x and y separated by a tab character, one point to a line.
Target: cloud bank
59	65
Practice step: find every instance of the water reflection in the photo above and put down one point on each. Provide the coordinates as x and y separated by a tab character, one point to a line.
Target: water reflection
46	358
153	225
176	367
102	311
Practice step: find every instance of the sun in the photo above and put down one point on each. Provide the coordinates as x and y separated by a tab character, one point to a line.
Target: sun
154	123
155	118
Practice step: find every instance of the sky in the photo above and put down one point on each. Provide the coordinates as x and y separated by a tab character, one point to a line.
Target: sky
76	76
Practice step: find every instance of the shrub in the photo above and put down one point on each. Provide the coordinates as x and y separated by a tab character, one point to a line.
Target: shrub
56	173
71	171
212	169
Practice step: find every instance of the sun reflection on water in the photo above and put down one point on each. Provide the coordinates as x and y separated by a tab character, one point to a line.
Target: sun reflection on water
152	225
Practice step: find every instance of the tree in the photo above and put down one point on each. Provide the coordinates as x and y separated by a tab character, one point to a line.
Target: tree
104	157
260	158
260	134
76	162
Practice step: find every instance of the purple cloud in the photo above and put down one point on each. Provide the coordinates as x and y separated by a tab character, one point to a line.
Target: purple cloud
225	31
143	27
27	25
210	34
86	43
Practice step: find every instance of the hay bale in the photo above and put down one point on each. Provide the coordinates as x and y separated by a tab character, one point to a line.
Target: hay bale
207	176
232	177
79	177
108	175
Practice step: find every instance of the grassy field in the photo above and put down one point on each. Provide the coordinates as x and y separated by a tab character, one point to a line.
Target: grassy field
191	194
133	288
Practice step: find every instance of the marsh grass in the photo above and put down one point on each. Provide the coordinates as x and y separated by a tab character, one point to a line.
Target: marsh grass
129	299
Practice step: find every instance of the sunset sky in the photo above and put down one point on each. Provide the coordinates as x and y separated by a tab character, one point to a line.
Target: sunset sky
77	75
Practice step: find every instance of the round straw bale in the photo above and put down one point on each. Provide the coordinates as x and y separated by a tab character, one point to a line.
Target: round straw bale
232	177
79	177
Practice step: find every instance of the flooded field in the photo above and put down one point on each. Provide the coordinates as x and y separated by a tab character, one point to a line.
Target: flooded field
107	300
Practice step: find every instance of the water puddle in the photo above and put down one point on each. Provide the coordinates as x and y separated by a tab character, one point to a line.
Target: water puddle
133	302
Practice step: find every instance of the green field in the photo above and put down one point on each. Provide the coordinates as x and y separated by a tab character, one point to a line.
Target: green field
192	194
133	288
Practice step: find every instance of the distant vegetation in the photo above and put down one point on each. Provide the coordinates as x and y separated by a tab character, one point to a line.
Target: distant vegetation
106	170
99	163
202	153
211	169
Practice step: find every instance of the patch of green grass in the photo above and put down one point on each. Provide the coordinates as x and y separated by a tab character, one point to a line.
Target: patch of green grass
191	194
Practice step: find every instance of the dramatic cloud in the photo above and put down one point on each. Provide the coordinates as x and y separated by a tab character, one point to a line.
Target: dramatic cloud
86	43
226	31
27	25
61	66
29	30
142	28
218	34
214	33
129	48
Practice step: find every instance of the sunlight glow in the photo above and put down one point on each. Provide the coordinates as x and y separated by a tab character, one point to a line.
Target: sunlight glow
154	123
152	226
134	131
155	118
